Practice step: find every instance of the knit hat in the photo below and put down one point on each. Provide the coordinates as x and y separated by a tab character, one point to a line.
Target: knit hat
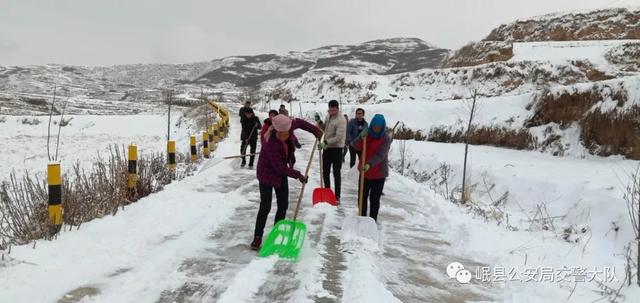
377	120
281	123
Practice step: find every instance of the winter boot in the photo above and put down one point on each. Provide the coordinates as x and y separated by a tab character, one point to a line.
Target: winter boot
257	241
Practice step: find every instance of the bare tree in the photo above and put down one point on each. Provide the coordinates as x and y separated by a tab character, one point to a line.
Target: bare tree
632	197
403	155
465	189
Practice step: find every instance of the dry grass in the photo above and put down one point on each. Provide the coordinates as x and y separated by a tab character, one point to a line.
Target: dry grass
86	194
612	133
482	52
496	136
404	133
563	109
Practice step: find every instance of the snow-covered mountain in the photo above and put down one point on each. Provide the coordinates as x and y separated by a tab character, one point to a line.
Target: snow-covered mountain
143	82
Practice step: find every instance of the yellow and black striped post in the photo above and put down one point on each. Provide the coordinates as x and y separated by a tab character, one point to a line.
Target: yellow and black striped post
216	132
194	150
171	154
132	179
54	180
205	144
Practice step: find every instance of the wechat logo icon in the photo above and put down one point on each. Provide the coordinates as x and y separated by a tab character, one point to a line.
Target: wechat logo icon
456	271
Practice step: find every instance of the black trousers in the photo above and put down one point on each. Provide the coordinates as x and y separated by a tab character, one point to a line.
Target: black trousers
372	193
253	143
353	153
332	158
282	199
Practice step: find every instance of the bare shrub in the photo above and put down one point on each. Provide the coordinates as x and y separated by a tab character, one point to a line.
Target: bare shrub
612	133
86	194
405	133
564	109
23	211
485	135
32	121
632	197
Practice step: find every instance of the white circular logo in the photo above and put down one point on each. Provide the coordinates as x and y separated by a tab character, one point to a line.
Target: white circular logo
453	269
463	276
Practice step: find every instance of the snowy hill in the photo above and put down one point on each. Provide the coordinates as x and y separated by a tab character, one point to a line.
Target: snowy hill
607	24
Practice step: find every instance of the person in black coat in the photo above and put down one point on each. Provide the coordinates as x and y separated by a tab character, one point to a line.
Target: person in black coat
249	135
247	106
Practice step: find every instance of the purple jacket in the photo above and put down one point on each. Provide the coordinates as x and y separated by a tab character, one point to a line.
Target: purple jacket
276	157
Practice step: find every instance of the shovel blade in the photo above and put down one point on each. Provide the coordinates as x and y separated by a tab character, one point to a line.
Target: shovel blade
285	240
360	227
325	195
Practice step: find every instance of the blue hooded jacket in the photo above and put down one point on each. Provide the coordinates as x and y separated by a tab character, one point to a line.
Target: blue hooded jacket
377	120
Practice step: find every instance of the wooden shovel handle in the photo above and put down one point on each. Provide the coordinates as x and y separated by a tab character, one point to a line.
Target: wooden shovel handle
241	156
306	174
362	164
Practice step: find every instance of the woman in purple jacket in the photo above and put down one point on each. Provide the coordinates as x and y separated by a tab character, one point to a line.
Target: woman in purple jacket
275	165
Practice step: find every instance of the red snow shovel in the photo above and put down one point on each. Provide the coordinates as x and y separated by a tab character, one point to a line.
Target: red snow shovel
322	194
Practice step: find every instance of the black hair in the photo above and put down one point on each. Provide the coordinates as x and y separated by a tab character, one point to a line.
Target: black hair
273	111
359	109
249	110
247	102
282	105
333	103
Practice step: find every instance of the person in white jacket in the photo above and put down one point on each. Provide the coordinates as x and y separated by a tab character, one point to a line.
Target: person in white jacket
335	128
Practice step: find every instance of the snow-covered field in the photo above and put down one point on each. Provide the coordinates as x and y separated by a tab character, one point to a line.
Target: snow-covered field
83	139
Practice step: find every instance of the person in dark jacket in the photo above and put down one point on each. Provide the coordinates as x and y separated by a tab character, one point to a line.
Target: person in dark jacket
249	135
247	106
283	110
275	166
354	128
375	162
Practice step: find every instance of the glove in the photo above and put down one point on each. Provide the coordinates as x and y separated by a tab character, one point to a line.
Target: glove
366	167
303	179
317	117
298	145
364	133
322	145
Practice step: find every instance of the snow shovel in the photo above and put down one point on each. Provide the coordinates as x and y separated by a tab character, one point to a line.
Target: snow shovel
287	236
361	226
322	194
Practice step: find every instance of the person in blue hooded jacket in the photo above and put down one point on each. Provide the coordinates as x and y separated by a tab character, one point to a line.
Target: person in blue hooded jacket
354	128
375	162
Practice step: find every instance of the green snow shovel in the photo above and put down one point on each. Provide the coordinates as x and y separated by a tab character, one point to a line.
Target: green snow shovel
287	236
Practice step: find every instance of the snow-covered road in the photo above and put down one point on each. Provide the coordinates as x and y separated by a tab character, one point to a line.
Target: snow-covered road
189	243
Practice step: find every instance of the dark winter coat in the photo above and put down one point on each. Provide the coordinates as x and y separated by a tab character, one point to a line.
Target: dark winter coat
242	110
250	127
277	157
354	128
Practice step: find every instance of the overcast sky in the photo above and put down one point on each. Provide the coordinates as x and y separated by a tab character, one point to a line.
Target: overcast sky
102	32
